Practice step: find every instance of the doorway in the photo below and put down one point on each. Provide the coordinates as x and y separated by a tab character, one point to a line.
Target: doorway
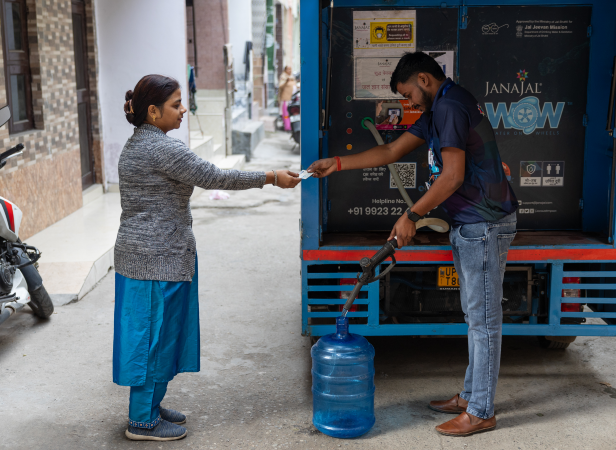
83	93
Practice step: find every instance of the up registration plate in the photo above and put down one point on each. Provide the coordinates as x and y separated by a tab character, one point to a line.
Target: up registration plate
447	278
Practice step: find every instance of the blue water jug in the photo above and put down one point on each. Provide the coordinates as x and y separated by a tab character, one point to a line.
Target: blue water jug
343	383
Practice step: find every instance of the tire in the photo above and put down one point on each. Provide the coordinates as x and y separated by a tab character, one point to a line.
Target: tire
561	343
41	303
279	124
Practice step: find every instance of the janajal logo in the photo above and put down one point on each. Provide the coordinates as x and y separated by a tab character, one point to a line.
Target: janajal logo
526	114
522	75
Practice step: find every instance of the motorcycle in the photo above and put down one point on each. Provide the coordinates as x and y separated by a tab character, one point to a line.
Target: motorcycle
294	115
20	282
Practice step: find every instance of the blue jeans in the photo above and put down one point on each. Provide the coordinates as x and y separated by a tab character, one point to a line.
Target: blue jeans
480	256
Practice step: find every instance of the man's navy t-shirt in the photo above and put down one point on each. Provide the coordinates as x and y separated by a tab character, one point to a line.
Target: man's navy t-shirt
456	120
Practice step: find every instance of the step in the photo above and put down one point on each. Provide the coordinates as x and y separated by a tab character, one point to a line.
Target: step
92	193
247	137
232	162
202	146
78	250
209	125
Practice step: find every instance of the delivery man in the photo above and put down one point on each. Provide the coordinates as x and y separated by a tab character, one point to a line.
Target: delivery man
468	181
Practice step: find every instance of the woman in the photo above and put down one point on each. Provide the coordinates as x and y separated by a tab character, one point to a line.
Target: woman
286	86
156	329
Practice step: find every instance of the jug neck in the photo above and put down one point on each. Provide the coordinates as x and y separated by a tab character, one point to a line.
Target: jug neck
342	327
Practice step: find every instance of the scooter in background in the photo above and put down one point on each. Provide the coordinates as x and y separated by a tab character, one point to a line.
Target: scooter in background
20	281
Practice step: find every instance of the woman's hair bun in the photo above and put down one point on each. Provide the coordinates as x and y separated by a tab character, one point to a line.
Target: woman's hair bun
128	109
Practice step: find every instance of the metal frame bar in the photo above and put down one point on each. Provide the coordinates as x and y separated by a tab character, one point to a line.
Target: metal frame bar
373	328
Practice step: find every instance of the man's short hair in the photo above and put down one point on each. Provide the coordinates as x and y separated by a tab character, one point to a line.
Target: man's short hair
410	65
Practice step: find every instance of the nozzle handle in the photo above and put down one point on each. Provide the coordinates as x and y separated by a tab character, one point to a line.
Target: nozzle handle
368	266
385	252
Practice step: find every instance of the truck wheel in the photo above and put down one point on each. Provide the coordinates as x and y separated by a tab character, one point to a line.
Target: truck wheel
41	303
555	342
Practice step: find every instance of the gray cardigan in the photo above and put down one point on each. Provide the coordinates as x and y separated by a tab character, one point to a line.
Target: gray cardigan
157	177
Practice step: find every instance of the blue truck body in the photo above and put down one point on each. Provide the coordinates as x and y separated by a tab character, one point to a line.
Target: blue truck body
550	259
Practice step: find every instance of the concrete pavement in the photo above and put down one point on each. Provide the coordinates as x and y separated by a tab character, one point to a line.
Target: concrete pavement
78	250
253	390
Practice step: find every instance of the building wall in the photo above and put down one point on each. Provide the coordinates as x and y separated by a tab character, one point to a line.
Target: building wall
46	181
136	38
259	61
97	140
212	22
240	31
296	50
290	34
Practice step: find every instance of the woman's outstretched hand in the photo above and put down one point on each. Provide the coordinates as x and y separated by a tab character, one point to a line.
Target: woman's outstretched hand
285	178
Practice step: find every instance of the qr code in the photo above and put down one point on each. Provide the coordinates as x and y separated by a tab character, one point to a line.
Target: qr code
407	175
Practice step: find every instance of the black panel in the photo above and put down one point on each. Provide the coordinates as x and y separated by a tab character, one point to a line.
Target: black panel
347	191
550	45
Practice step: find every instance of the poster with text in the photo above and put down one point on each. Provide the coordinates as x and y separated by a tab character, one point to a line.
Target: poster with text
373	75
528	69
384	33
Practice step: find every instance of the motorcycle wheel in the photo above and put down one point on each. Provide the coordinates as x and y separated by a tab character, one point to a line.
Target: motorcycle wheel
40	303
297	136
279	124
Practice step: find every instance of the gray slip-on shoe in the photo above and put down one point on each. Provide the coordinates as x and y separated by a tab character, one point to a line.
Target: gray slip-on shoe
164	431
173	416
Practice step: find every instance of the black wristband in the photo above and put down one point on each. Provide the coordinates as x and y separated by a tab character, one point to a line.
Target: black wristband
413	216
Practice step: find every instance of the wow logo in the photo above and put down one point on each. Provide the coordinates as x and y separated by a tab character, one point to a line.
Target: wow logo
525	115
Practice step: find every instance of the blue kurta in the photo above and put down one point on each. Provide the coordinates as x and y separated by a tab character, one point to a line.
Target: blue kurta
171	310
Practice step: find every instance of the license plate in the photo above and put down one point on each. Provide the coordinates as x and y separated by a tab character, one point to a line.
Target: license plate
295	118
447	278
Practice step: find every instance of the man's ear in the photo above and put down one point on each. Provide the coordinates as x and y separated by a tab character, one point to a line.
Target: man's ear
423	80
